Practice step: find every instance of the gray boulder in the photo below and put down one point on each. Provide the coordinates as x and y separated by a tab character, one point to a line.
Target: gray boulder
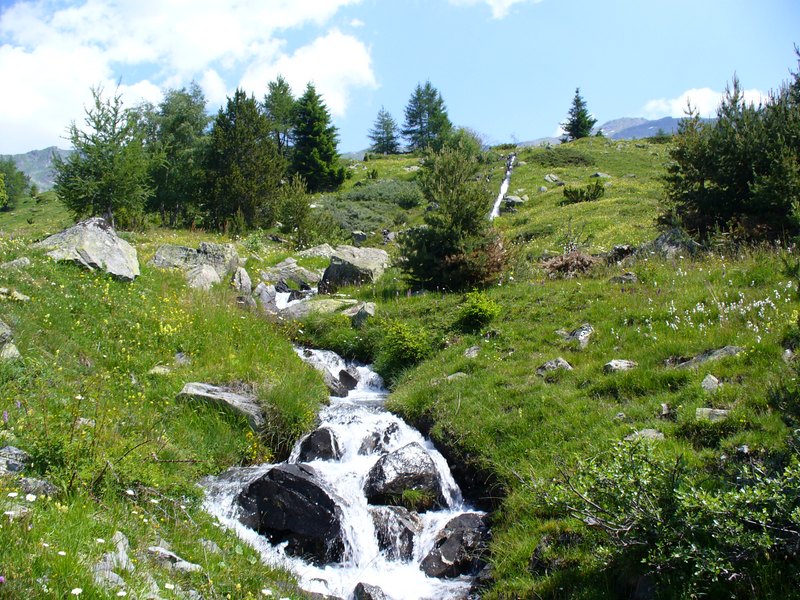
710	383
169	559
289	271
366	591
360	313
241	281
264	296
408	468
38	487
472	352
230	398
704	357
711	414
580	335
320	444
323	250
460	548
671	244
202	277
619	364
551	178
395	528
8	351
289	504
94	244
554	365
17	263
353	266
106	571
316	306
645	434
223	258
13	460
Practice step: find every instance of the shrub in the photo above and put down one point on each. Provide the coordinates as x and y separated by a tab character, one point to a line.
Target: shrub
405	194
400	348
587	193
477	311
569	265
561	157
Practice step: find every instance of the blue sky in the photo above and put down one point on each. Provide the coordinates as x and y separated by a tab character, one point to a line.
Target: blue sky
506	68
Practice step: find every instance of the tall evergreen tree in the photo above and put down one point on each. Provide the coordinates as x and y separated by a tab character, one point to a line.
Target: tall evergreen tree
180	125
579	122
108	173
427	123
243	166
315	157
17	183
384	134
279	105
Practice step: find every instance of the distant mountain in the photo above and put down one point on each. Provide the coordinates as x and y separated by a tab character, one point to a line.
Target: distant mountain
637	128
38	165
612	128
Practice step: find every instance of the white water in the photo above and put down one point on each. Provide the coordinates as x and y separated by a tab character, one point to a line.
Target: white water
353	419
503	187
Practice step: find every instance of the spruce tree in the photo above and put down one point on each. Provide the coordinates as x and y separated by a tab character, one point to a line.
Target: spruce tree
279	105
427	123
579	122
243	166
384	134
315	157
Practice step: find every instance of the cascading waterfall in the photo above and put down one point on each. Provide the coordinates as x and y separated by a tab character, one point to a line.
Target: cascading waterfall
503	186
358	417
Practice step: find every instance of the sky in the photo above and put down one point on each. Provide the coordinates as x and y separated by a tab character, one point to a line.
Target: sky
507	69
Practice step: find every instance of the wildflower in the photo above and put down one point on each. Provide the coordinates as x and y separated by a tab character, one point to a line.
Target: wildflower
100	541
130	492
122	593
2	579
169	586
5	416
31	497
62	553
76	591
266	592
12	494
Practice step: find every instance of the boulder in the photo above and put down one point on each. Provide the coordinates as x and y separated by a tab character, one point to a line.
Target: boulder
472	352
94	244
620	252
323	250
202	277
554	365
704	357
456	376
13	460
551	178
395	528
353	266
223	258
378	441
38	487
459	549
230	398
619	364
645	434
512	201
365	591
710	383
264	296
5	333
8	351
360	313
167	558
626	278
288	503
17	263
580	335
601	175
320	444
289	271
711	414
359	237
241	281
542	189
316	306
671	244
408	468
14	295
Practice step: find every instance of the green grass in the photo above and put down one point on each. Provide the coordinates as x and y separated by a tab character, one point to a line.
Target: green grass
35	216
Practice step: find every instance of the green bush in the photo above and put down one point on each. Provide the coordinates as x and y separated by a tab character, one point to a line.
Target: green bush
561	157
587	193
401	347
405	194
477	311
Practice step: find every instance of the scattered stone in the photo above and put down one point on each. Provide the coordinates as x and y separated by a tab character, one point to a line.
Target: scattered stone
620	252
671	244
94	244
231	398
512	201
320	444
6	334
645	434
359	237
619	364
38	487
181	359
395	528
554	365
9	294
210	546
289	503
265	297
580	335
472	352
202	277
600	175
316	306
353	266
408	468
17	263
626	278
666	412
620	416
459	549
711	414
241	281
551	178
171	560
9	352
542	189
388	236
704	357
456	376
289	271
365	591
710	383
788	355
223	258
360	313
378	441
13	460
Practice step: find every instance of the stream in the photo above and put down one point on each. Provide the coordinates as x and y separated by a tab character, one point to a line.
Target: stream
503	186
365	433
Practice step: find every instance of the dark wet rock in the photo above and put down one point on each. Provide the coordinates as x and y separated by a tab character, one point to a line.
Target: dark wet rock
320	444
231	398
408	468
365	591
557	364
378	441
460	548
288	503
620	252
94	244
353	266
395	528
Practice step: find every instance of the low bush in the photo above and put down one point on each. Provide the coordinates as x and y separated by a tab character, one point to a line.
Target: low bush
569	265
405	194
401	347
586	193
561	157
477	311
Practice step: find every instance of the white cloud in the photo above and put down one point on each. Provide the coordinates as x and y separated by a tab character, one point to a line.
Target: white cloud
335	64
704	100
51	53
357	23
500	8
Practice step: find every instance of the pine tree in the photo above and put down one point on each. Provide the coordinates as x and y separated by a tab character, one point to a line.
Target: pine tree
279	105
384	134
315	157
427	123
579	123
243	166
3	193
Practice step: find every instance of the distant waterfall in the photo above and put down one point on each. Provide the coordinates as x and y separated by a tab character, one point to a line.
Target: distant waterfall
503	186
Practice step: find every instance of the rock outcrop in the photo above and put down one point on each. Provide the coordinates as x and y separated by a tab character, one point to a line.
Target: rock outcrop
353	266
233	399
197	264
8	350
94	244
395	528
459	548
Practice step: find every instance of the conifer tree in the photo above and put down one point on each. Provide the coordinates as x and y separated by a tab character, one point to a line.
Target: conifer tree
315	157
579	122
3	193
279	105
427	123
384	134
